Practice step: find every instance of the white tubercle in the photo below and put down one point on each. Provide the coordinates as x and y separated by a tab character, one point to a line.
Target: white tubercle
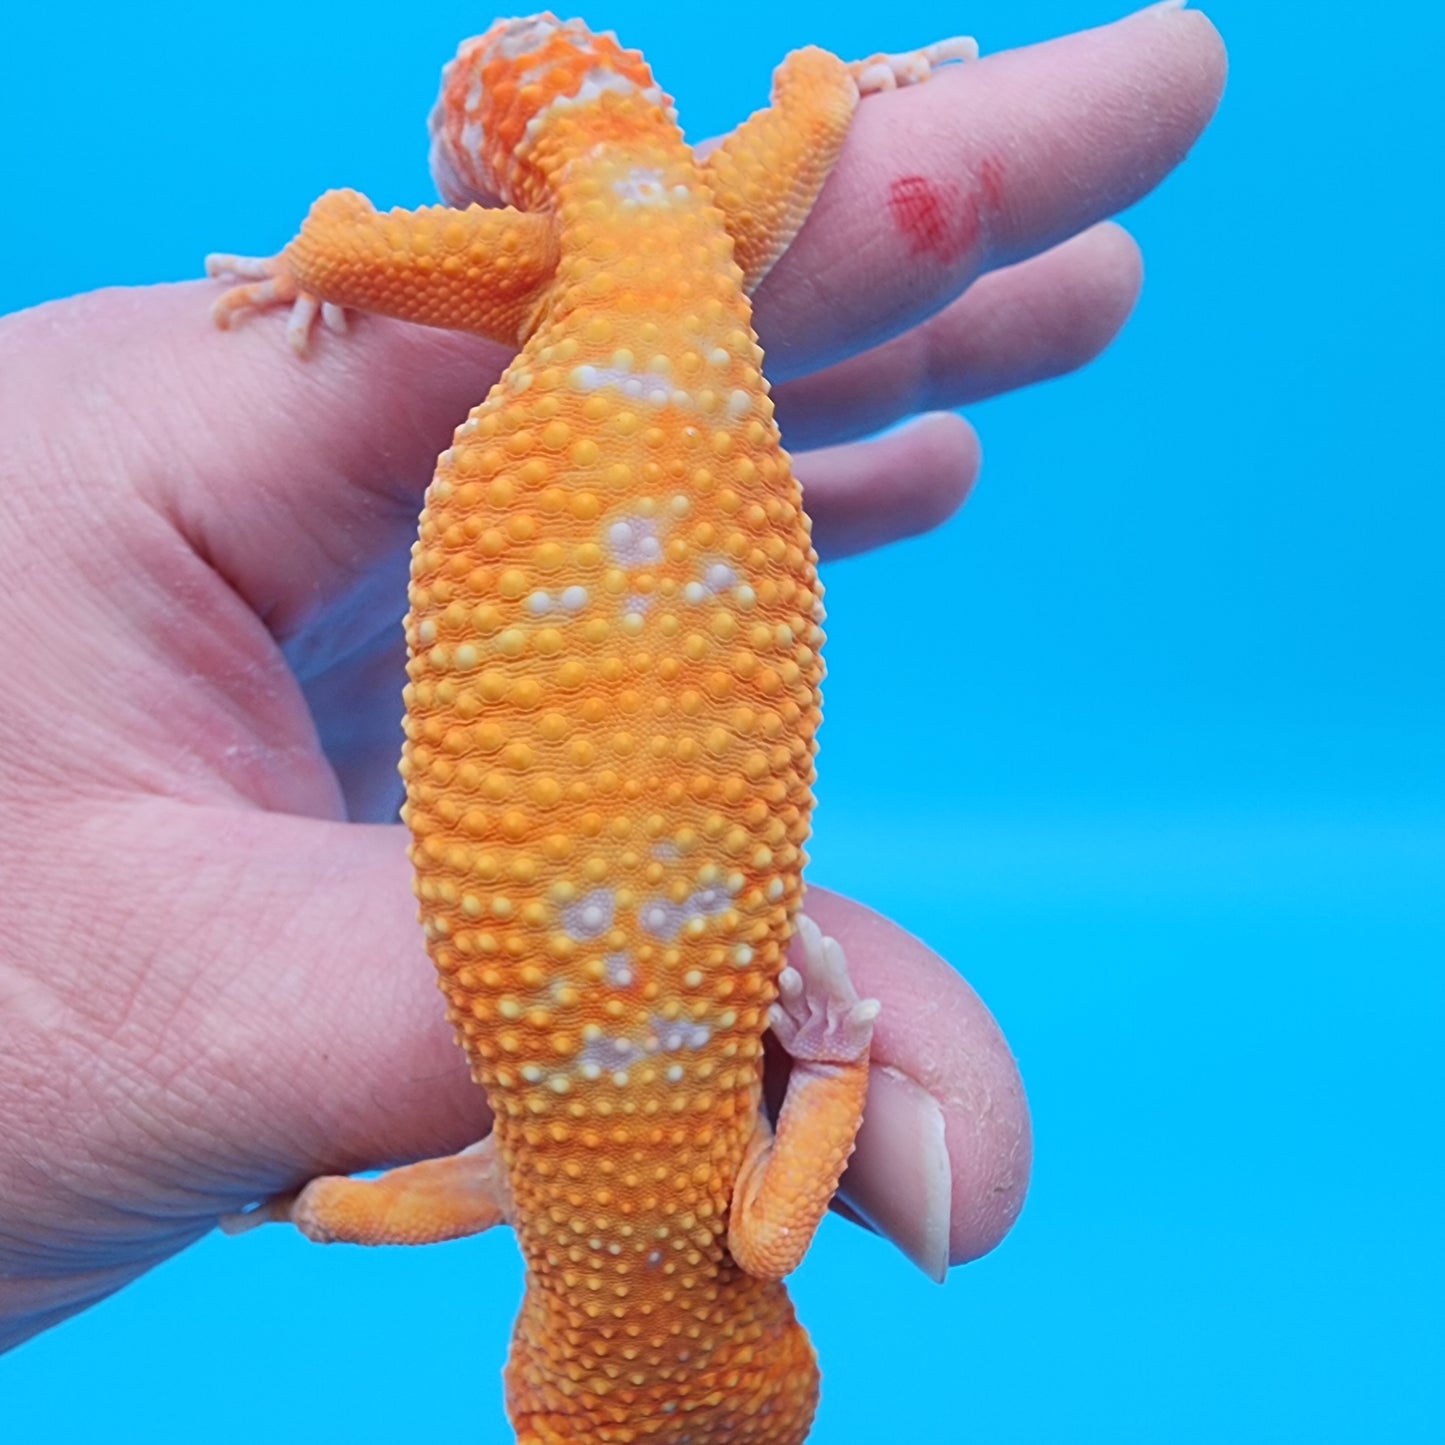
633	541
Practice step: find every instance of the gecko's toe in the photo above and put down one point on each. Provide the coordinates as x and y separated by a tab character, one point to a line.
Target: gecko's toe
818	1016
913	67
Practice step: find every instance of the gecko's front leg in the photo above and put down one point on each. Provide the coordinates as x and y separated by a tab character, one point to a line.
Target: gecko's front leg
475	269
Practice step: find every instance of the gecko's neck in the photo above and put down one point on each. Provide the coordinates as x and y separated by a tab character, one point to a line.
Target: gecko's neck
641	248
601	142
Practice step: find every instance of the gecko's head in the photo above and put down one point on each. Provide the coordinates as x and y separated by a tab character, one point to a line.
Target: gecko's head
500	91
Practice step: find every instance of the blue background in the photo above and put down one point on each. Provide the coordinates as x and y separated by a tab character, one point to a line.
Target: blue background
1179	802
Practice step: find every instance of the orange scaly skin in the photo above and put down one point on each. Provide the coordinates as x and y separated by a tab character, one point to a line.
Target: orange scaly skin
614	665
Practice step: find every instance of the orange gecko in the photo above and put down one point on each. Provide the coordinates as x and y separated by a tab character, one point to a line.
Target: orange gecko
614	636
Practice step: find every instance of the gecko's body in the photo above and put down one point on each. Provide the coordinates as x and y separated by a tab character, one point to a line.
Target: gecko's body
614	641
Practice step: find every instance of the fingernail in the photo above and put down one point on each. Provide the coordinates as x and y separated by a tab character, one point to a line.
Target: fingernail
1163	5
900	1179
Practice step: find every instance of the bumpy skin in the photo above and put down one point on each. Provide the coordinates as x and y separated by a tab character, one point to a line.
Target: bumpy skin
615	630
614	667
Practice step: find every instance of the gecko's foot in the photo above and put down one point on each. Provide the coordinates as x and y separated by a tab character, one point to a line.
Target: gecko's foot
276	1210
268	282
889	72
819	1017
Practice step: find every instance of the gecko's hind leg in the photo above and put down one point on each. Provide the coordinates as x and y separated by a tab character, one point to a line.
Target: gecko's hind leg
787	1179
421	1203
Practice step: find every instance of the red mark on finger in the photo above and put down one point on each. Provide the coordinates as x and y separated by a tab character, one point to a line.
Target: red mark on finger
939	221
990	182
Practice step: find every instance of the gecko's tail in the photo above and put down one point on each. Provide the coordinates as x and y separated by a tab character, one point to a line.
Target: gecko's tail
735	1367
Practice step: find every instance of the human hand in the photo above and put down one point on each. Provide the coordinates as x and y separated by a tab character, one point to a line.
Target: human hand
212	985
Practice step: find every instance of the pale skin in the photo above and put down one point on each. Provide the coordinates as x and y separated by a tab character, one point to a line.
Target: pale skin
204	542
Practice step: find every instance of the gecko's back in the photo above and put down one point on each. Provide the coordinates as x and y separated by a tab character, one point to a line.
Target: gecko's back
614	636
614	664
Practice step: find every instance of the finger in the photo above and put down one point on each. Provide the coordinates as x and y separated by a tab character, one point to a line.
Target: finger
943	1157
309	1038
865	494
291	478
305	547
984	165
1024	323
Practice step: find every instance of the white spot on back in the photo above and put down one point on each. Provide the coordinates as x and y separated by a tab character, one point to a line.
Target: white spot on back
604	1055
597	83
635	385
589	917
523	36
643	187
664	919
633	541
675	1035
572	599
717	577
